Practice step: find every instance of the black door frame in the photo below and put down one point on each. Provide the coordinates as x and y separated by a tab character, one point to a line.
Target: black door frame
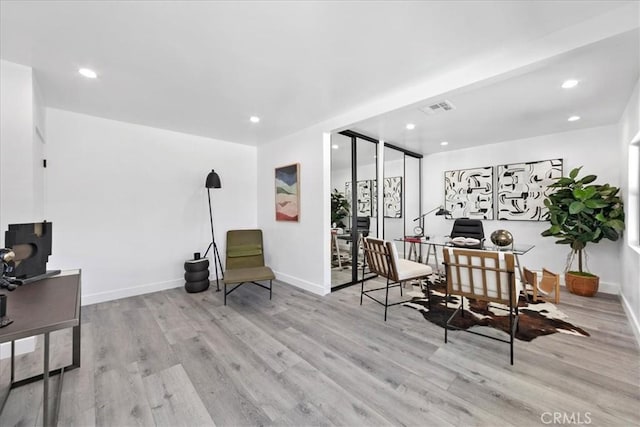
354	136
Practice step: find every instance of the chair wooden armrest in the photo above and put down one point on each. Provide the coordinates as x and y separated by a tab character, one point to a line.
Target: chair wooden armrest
383	260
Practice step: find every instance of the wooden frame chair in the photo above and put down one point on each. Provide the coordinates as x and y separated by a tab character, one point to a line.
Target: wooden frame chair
338	254
245	261
549	284
485	276
382	259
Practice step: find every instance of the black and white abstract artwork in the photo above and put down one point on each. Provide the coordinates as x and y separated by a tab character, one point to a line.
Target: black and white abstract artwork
364	196
468	193
368	197
522	188
393	197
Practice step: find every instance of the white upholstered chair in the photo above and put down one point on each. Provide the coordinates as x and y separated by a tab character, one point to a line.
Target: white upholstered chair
382	259
485	276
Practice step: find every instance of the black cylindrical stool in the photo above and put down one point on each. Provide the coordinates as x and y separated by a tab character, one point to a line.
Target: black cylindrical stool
196	275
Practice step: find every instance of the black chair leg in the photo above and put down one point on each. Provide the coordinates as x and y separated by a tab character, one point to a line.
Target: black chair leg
446	309
225	293
386	301
270	288
511	330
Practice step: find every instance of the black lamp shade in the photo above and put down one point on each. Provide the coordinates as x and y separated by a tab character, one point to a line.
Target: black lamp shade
443	211
213	180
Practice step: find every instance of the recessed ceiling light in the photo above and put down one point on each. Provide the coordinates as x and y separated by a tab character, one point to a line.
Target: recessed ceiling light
444	143
410	126
568	84
254	119
573	118
335	146
88	73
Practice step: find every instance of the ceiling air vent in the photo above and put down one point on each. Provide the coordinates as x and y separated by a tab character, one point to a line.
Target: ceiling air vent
438	107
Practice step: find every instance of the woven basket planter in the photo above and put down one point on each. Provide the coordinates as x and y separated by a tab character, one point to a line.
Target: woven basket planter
586	286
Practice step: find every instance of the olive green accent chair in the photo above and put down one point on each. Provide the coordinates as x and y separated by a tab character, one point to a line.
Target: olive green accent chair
245	261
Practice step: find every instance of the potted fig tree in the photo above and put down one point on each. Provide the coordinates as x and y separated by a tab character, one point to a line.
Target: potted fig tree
582	212
339	208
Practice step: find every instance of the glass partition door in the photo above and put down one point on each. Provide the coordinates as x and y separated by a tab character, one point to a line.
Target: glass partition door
353	206
413	199
402	197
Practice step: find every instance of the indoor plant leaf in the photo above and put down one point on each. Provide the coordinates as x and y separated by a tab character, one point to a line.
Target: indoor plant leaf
588	179
596	203
579	214
574	172
576	207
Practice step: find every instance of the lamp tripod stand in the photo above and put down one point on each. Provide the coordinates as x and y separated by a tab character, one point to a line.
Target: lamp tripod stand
213	181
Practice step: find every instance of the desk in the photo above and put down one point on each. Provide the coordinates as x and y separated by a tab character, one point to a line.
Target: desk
433	242
41	308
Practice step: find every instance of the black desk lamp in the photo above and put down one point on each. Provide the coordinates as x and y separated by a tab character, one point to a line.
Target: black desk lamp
213	181
419	230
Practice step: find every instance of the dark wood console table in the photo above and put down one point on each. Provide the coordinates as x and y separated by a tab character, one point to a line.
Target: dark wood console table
40	308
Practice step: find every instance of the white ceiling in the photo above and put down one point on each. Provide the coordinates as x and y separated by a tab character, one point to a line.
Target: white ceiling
205	67
528	104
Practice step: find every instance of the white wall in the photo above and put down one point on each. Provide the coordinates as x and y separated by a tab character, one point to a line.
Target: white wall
596	149
298	248
18	200
21	172
630	251
39	134
128	202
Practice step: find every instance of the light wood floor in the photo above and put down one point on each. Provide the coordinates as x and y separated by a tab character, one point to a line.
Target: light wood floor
172	358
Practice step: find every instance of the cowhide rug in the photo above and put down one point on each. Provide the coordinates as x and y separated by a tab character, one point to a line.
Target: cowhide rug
536	319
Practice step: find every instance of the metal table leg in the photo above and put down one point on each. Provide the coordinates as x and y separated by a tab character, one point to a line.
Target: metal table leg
431	246
13	360
45	385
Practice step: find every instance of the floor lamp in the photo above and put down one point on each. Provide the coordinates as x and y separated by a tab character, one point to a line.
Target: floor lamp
213	181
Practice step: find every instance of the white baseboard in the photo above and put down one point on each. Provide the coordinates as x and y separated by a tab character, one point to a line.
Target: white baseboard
609	288
633	320
130	292
300	283
25	345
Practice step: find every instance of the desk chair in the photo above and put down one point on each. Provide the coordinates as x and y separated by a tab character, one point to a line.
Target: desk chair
341	255
383	260
363	224
245	261
484	276
465	227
